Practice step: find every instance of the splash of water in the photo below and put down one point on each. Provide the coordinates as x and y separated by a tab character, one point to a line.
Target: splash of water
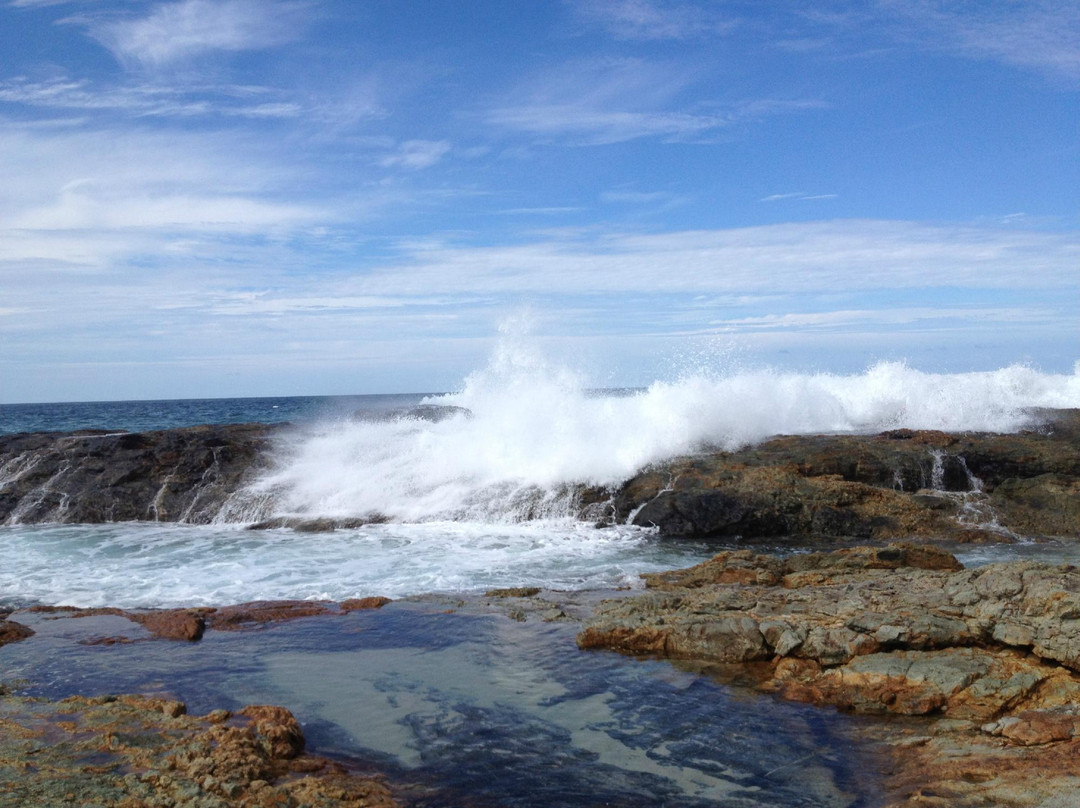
525	434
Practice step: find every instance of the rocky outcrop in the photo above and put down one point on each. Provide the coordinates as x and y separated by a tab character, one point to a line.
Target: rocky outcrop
175	475
903	483
990	656
967	487
126	751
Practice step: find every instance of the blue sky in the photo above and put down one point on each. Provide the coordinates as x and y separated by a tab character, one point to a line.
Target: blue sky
277	197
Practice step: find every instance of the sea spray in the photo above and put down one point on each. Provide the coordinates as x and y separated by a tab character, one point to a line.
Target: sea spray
526	436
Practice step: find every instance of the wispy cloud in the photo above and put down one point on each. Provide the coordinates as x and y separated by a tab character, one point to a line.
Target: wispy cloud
844	319
147	99
1038	34
652	19
99	198
610	101
178	31
818	257
795	196
417	154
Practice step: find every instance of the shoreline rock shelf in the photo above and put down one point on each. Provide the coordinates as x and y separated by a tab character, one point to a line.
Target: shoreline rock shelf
990	656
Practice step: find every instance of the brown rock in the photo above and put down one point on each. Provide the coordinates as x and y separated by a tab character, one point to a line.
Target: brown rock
173	624
259	613
357	604
10	631
280	728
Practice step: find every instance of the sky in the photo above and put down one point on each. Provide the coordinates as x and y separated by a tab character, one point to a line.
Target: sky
205	198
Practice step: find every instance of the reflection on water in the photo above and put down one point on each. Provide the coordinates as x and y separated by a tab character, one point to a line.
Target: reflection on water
479	710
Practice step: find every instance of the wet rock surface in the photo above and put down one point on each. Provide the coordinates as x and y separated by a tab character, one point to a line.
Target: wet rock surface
988	657
902	483
175	475
139	752
189	625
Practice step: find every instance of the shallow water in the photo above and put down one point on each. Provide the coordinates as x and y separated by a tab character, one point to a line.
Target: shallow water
477	709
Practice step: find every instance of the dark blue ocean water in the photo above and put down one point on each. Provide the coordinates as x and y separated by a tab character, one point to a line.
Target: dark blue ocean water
141	416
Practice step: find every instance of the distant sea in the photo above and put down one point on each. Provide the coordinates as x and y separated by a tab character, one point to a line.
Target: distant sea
142	416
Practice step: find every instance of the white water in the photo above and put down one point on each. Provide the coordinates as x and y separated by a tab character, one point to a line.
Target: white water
142	565
535	430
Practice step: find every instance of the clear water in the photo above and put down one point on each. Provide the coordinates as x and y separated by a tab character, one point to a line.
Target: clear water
473	709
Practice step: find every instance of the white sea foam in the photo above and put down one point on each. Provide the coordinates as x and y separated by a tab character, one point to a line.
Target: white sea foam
142	564
533	431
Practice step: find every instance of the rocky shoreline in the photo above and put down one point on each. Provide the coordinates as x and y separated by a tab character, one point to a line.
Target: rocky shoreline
977	671
895	485
988	657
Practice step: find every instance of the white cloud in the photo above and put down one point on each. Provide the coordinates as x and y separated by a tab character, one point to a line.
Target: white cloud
178	31
797	195
652	19
836	256
1038	34
93	198
146	100
417	154
844	319
599	102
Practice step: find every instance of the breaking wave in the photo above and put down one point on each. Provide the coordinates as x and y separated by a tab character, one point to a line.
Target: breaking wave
523	435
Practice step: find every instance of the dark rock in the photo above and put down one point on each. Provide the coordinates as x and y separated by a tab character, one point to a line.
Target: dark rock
881	487
321	525
432	413
176	475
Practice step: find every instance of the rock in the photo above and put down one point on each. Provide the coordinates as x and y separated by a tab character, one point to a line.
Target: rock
513	592
172	624
175	475
359	604
120	752
10	631
321	525
888	629
988	658
898	484
258	613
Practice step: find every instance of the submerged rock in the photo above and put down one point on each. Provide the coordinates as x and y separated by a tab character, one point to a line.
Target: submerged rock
126	751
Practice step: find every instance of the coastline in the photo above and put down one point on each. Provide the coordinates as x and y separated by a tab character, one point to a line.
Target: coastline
977	694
